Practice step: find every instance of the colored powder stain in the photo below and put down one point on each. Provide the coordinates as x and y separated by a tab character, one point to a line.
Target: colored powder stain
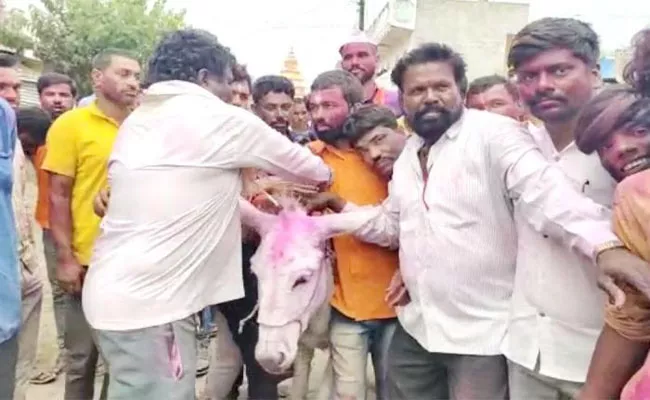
290	228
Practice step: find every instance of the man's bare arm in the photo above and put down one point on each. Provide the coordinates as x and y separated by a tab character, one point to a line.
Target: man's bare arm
61	215
613	363
69	272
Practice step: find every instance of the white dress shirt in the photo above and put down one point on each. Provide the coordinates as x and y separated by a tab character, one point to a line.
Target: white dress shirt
170	243
456	232
557	308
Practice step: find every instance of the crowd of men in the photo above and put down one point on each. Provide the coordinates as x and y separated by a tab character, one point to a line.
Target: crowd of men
482	272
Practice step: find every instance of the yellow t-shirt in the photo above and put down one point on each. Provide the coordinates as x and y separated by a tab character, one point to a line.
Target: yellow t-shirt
79	144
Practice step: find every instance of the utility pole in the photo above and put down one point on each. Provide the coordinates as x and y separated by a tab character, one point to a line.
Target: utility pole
362	13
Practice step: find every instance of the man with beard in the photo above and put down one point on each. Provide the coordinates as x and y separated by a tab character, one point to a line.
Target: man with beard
362	321
450	209
555	321
272	102
359	57
78	146
57	94
186	146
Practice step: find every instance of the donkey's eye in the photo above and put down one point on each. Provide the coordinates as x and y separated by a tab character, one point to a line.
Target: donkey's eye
300	281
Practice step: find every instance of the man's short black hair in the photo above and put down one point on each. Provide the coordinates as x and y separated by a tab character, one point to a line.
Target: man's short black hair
431	52
102	60
555	33
54	78
349	84
8	60
485	83
240	74
34	122
272	84
365	118
180	55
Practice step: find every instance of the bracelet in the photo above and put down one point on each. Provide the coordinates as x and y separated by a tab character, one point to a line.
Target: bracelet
612	244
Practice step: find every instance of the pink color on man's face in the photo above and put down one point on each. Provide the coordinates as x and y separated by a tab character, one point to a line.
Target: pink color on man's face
328	109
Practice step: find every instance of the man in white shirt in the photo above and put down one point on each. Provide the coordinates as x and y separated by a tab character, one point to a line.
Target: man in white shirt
170	241
557	308
451	209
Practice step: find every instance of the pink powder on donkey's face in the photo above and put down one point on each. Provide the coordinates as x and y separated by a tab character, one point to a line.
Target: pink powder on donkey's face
293	227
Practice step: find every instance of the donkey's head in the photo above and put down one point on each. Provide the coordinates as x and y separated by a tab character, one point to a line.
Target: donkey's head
292	276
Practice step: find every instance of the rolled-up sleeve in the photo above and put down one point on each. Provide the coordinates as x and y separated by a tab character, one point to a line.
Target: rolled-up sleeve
544	194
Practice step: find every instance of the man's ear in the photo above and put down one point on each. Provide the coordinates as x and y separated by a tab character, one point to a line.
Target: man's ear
596	77
202	77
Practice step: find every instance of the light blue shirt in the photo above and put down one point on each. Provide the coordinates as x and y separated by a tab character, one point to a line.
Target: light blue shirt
9	273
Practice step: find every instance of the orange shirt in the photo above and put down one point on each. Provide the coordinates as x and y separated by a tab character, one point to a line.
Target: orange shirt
42	213
363	271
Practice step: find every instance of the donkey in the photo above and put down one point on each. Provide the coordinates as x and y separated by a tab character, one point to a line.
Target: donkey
295	280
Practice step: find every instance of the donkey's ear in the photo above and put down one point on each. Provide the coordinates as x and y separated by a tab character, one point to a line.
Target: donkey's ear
254	218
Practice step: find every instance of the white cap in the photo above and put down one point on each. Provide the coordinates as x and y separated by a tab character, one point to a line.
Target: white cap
359	37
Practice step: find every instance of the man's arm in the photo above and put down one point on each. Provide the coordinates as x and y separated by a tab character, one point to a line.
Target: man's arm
61	164
379	224
61	216
252	143
614	361
544	194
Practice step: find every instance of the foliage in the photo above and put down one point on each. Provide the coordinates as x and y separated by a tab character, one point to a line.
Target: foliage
69	33
14	29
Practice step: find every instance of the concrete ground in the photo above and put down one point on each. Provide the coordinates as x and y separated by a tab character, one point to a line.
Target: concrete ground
47	349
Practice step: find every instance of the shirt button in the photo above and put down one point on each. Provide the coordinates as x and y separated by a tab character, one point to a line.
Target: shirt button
545	236
542	314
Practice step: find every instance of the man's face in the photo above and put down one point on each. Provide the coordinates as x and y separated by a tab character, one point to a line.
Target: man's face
380	148
219	86
119	82
555	85
431	99
328	110
57	99
10	86
274	108
241	94
299	118
498	100
360	59
626	152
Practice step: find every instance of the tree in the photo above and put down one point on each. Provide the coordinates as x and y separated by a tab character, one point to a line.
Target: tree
14	26
69	33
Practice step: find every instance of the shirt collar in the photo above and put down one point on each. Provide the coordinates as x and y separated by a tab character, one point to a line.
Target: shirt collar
94	110
174	88
319	147
451	133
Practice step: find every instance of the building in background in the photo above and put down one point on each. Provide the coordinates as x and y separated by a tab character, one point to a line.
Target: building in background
29	69
291	71
478	29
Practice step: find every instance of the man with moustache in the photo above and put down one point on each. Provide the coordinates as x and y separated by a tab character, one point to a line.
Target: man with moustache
273	97
450	208
359	56
299	121
557	308
78	146
241	87
57	94
496	94
272	102
362	320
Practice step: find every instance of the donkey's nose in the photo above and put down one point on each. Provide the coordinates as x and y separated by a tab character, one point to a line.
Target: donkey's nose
272	362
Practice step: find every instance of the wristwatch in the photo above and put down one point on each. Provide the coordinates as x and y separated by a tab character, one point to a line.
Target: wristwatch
612	244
